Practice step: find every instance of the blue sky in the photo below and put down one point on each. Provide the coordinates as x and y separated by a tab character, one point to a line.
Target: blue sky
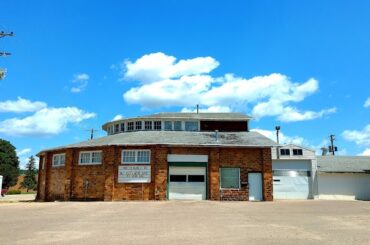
78	64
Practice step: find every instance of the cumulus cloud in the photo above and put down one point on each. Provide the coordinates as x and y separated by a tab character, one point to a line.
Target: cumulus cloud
46	121
366	152
290	114
159	66
166	81
21	105
80	82
117	117
367	103
360	137
283	139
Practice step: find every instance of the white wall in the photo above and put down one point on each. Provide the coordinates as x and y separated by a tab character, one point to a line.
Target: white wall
337	186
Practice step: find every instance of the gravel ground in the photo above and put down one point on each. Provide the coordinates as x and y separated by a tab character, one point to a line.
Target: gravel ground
176	222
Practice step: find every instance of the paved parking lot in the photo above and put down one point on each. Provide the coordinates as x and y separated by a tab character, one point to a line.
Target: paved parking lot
205	222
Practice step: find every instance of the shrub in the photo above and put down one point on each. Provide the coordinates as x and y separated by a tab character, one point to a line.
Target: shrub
13	192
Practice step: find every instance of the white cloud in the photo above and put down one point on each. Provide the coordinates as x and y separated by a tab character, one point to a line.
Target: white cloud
159	66
283	139
80	82
366	152
47	121
165	82
367	102
289	114
21	105
360	137
117	117
23	152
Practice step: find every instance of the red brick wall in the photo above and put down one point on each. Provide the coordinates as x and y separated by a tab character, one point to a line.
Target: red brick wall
68	182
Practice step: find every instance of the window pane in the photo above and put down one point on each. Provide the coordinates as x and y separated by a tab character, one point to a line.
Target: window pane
157	125
116	128
62	159
128	156
284	152
122	127
55	160
196	178
148	125
168	125
177	125
143	156
191	126
177	178
96	157
130	126
297	152
138	125
230	178
85	157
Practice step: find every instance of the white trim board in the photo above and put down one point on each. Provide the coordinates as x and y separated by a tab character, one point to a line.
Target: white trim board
187	158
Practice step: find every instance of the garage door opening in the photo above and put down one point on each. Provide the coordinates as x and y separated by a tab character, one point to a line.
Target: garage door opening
187	183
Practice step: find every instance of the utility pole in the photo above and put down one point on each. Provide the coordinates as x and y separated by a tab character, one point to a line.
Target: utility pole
332	148
277	128
3	53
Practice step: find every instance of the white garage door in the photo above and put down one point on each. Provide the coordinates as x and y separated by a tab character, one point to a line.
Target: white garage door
344	186
292	180
187	183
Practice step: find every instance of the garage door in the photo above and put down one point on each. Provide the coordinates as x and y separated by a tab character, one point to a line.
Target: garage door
187	183
292	180
344	186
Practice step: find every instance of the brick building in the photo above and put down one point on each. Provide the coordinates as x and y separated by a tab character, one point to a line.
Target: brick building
162	156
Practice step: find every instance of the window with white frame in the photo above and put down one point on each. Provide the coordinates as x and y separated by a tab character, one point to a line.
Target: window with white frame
130	126
122	127
116	128
136	156
157	125
90	157
230	178
177	125
138	125
168	125
191	126
148	125
59	160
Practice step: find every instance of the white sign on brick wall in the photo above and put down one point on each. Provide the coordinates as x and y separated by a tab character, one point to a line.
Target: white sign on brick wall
134	174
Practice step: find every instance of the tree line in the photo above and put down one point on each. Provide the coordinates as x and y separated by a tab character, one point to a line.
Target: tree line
9	167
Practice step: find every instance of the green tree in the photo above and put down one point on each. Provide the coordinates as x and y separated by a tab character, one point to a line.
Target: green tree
9	163
30	181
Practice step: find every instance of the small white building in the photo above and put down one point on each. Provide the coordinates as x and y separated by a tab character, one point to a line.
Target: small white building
343	177
294	172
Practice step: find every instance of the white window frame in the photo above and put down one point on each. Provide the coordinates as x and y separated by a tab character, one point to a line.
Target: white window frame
136	156
59	158
90	162
229	188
